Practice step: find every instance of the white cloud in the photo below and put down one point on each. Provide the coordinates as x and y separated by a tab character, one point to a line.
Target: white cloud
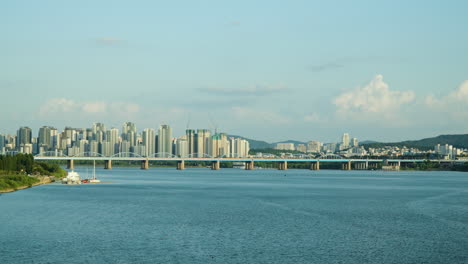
454	103
373	100
56	107
94	107
458	96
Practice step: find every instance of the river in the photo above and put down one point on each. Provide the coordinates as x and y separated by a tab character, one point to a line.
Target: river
163	215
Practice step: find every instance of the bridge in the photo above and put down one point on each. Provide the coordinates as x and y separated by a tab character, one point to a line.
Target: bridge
346	163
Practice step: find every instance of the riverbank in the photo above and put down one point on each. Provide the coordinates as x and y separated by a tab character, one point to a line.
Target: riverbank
9	185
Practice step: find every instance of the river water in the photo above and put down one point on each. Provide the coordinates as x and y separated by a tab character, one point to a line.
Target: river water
235	216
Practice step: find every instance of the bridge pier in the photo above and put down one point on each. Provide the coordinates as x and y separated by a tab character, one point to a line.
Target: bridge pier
315	165
360	165
346	165
145	164
108	164
283	165
70	164
181	165
249	165
215	165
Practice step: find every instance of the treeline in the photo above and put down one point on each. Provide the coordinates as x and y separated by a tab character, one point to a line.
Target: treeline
25	164
428	165
274	151
17	163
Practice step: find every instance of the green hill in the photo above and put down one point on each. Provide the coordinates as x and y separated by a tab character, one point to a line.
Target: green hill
458	141
255	144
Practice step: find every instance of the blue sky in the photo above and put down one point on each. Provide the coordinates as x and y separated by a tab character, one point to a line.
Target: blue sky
272	70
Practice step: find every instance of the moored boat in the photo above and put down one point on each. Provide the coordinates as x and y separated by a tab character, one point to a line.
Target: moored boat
72	178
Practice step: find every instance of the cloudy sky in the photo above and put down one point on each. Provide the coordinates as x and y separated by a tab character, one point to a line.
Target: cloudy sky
271	70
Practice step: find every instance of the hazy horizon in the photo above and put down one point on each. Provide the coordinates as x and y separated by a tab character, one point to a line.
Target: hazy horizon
265	70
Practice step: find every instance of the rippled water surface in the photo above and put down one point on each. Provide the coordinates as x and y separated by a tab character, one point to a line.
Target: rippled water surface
234	216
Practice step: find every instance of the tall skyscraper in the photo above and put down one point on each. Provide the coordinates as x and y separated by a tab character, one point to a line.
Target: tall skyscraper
190	133
203	142
99	132
2	143
149	141
239	147
112	136
129	133
45	138
165	141
220	145
23	136
345	140
182	147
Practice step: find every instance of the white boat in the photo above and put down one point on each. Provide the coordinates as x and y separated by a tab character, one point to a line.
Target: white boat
72	178
93	179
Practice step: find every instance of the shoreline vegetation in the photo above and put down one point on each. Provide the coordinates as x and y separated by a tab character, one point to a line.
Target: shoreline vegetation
20	171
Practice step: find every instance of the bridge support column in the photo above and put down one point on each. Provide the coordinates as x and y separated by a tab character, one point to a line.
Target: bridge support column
315	165
108	164
283	165
215	165
70	164
361	166
145	164
249	165
181	165
346	165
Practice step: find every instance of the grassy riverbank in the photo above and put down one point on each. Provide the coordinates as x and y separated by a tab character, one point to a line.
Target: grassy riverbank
13	183
21	171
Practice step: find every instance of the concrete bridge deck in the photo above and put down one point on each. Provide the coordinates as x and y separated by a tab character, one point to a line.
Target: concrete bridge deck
347	163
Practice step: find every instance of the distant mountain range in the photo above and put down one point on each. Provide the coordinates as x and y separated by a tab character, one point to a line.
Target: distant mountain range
459	141
258	144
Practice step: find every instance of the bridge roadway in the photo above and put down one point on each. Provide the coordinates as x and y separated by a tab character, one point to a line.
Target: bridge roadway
249	162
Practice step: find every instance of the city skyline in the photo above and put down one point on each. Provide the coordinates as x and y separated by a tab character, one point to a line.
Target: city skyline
101	141
387	71
97	141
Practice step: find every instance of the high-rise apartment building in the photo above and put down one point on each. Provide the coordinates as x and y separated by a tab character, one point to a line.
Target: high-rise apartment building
129	133
99	132
112	136
285	146
2	143
314	146
149	142
203	142
45	140
182	147
239	148
345	140
190	134
164	141
24	136
220	146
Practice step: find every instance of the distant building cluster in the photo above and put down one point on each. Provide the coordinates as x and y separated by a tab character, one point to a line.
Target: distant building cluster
349	147
110	142
448	151
393	151
346	147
